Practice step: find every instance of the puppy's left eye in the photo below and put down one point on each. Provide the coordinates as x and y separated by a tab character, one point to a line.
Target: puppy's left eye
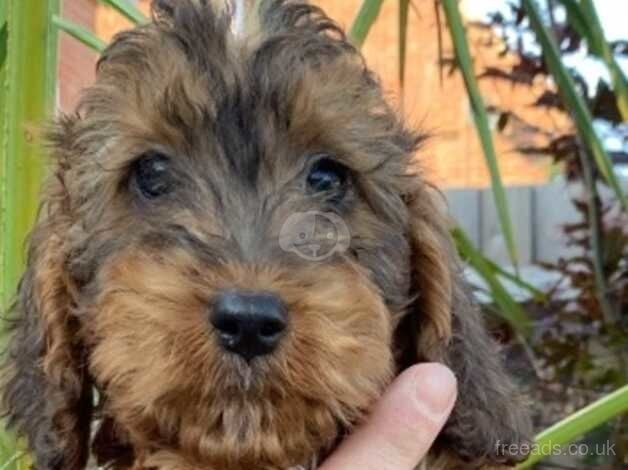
151	174
329	176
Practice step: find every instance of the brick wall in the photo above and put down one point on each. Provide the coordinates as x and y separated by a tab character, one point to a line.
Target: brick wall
431	100
437	101
76	62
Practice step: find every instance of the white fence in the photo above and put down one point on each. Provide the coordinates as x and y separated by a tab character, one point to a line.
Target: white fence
538	214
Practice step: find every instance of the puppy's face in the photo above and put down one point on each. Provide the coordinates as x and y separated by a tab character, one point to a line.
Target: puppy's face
238	254
221	319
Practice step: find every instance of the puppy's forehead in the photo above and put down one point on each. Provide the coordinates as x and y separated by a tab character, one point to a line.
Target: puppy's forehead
289	88
187	67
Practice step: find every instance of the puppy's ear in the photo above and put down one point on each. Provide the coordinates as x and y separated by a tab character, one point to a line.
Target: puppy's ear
46	395
444	325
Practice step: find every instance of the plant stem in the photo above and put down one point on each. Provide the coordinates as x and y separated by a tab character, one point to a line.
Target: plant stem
611	317
597	247
27	86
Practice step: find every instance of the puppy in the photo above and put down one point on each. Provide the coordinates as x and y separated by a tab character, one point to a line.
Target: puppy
236	253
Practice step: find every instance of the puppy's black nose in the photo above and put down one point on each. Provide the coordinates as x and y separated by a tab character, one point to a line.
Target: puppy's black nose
249	324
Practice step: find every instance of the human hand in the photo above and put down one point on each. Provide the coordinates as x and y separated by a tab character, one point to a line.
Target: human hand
404	423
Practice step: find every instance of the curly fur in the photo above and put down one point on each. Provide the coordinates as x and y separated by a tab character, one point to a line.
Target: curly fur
115	297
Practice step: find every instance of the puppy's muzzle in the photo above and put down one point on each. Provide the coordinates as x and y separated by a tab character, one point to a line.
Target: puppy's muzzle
249	324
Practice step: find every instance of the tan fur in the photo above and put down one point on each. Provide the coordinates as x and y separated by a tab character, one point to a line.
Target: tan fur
158	305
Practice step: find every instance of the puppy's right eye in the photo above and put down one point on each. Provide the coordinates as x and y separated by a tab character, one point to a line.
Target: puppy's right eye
328	176
151	175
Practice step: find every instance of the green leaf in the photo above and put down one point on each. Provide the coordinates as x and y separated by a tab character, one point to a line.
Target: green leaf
51	52
404	6
577	425
126	9
577	19
585	20
572	100
509	309
10	461
28	52
461	46
4	36
26	100
78	32
600	46
369	11
539	296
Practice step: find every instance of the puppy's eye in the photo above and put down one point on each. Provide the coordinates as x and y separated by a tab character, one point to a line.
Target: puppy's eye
151	173
327	175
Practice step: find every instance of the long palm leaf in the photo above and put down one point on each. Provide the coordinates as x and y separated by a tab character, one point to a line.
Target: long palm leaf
578	424
81	34
509	309
126	9
583	17
368	13
465	63
28	55
404	7
572	99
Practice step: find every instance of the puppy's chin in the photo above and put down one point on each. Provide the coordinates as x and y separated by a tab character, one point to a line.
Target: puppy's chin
257	420
171	386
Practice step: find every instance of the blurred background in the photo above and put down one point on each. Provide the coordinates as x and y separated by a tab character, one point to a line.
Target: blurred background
527	105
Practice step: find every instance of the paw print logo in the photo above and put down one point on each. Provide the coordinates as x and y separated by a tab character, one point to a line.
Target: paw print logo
314	235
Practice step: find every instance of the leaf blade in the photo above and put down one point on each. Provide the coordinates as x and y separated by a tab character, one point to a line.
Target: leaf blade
538	295
578	424
600	46
404	7
28	59
368	13
79	33
572	100
126	9
463	56
510	310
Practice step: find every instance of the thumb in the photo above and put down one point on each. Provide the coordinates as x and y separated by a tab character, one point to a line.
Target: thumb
403	425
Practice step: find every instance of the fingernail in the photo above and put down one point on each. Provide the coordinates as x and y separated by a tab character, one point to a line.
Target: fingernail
436	389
